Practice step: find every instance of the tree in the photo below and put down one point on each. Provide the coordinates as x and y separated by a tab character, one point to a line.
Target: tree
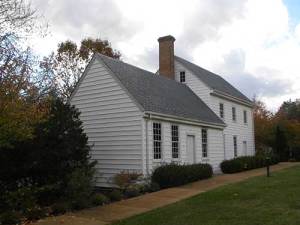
19	105
68	63
290	110
263	126
58	148
288	118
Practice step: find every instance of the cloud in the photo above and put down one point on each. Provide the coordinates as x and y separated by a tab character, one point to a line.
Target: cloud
205	20
251	43
233	68
78	19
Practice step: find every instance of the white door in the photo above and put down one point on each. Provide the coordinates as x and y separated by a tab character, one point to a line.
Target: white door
245	147
190	149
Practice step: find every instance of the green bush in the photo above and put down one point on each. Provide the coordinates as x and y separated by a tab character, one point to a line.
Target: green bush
100	199
174	175
10	218
35	213
154	187
243	163
60	208
115	195
133	190
79	188
125	178
44	169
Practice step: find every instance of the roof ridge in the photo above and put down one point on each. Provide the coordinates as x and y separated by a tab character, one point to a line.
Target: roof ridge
213	80
139	68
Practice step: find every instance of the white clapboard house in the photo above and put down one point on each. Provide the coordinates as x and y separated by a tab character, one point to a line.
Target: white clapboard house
137	120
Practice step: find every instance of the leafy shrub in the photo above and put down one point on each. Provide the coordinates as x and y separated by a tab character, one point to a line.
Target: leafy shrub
100	199
20	199
246	163
115	195
154	187
133	190
174	175
125	178
44	169
10	218
35	213
60	208
79	188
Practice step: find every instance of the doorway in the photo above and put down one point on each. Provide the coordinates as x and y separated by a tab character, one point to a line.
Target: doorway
190	149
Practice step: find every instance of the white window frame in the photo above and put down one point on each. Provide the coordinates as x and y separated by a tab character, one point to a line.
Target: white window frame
157	141
204	143
182	77
174	142
245	116
221	110
233	112
235	146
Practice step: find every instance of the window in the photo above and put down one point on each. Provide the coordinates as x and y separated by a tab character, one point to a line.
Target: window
204	143
245	147
156	140
245	116
233	114
221	106
182	77
175	140
235	146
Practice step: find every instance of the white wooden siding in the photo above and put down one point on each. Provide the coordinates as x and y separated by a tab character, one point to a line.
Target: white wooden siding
215	144
193	82
112	122
244	132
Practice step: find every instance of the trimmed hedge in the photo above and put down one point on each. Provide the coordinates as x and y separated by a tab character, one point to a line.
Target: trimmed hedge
243	163
172	175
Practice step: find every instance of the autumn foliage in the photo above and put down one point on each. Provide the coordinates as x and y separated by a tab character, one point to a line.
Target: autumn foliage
280	130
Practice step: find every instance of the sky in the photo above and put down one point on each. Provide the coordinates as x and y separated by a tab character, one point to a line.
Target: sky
253	44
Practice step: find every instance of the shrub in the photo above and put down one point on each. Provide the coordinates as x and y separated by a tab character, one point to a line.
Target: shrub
125	178
35	213
154	187
100	199
79	188
246	163
133	190
174	175
115	195
10	218
60	208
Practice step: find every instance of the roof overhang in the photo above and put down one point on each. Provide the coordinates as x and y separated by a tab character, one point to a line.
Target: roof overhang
175	119
232	98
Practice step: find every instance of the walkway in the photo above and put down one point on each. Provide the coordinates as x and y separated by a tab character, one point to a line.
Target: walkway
127	208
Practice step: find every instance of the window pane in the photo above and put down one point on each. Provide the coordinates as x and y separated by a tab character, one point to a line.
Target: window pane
182	77
235	146
175	139
204	143
221	110
156	140
233	114
245	116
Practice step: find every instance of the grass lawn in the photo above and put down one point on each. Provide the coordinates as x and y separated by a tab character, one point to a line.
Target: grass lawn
257	201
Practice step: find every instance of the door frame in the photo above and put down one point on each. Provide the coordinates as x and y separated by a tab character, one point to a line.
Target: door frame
194	144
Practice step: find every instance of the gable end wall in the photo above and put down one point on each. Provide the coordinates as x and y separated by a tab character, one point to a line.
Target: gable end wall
112	122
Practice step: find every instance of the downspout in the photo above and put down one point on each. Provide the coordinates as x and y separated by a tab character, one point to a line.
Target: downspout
224	145
147	151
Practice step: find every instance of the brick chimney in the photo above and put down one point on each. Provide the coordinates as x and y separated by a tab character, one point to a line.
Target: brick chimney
166	56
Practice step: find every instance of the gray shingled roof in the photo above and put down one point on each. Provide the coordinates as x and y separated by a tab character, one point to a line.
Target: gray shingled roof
159	94
212	80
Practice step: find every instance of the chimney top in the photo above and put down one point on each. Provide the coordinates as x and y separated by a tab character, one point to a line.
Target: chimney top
166	38
166	56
